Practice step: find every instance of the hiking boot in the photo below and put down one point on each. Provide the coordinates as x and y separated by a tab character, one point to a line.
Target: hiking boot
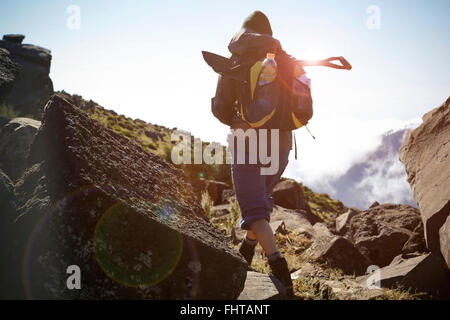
279	269
247	251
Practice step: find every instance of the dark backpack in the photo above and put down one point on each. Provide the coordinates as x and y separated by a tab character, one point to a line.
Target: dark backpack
284	104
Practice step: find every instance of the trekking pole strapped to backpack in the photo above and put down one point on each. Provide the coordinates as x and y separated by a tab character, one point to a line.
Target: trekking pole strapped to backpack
274	91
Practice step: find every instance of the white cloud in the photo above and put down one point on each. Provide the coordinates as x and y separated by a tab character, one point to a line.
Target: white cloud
385	180
340	142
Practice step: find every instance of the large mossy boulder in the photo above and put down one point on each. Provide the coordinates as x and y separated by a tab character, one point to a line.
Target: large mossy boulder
127	218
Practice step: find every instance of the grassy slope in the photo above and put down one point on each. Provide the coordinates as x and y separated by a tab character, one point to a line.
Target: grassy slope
152	137
156	139
323	205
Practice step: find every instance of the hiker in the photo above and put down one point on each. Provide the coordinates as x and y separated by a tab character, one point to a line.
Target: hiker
253	190
262	89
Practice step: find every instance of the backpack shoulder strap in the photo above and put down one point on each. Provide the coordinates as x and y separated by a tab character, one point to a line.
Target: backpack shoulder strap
255	70
249	68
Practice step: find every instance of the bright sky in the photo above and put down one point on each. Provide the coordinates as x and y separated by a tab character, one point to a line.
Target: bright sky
143	59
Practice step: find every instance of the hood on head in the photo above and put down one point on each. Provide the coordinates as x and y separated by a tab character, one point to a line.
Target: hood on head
248	41
258	22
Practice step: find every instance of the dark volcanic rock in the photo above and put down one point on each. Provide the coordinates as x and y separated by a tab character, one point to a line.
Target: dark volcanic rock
288	194
9	273
425	154
15	140
293	219
332	288
380	233
8	73
14	38
227	194
32	86
373	205
6	190
343	221
3	121
338	252
424	273
126	217
214	188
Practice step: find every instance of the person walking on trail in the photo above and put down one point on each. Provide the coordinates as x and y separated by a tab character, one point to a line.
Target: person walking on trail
253	190
262	87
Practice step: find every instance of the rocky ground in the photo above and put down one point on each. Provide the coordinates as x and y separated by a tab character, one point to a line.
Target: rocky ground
81	185
326	265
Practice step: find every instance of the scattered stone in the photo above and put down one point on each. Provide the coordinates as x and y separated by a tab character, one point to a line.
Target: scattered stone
227	194
337	252
289	194
312	218
343	221
321	230
221	215
404	256
293	219
328	288
416	241
375	204
425	273
278	226
346	289
380	233
215	189
237	235
260	286
307	270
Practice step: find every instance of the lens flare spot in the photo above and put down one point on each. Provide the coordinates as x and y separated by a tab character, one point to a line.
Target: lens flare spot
135	250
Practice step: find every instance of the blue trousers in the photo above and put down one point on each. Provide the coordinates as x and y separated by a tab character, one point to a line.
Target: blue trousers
254	191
